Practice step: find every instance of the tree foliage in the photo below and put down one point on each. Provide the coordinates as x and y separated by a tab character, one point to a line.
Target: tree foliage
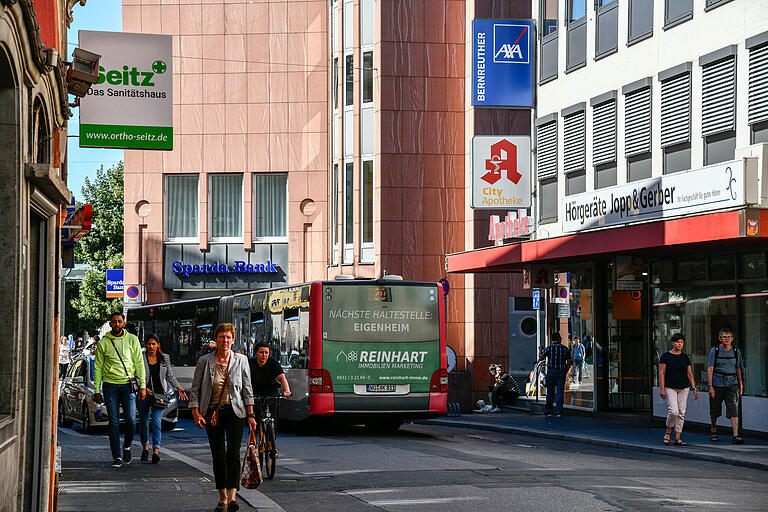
101	248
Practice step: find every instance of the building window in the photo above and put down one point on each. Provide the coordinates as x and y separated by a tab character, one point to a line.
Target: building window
711	4
548	200
574	140
760	133
640	20
677	158
335	83
349	35
718	106
367	18
576	36
606	27
270	206
605	175
604	130
349	80
226	206
367	75
548	10
334	220
349	219
575	183
637	129
639	167
719	148
366	211
677	11
181	207
758	87
676	118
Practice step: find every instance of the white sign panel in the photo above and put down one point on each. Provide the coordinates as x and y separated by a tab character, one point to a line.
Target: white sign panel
501	172
131	106
716	187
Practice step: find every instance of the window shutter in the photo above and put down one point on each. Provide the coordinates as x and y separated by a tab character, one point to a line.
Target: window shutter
637	130
758	84
546	154
604	133
676	110
718	103
574	142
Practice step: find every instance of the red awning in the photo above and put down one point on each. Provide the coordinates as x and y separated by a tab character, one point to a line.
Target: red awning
701	230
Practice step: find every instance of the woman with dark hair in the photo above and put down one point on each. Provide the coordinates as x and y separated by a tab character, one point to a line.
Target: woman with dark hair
159	374
675	381
221	388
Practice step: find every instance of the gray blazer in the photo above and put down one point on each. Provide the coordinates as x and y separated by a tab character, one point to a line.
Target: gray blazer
166	372
240	390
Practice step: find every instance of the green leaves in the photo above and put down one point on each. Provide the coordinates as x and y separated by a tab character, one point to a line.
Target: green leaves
101	248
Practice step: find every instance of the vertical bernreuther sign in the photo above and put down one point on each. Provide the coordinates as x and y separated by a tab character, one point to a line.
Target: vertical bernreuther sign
502	58
131	106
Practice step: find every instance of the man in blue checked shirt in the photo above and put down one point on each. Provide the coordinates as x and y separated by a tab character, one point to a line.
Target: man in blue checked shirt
558	361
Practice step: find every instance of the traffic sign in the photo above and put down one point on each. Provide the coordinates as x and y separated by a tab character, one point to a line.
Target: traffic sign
536	298
133	296
446	286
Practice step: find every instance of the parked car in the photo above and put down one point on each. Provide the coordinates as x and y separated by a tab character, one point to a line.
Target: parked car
76	398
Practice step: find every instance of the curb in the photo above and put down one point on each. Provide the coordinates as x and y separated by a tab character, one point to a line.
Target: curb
505	429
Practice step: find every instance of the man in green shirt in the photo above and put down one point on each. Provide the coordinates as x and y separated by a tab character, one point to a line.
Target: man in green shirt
118	358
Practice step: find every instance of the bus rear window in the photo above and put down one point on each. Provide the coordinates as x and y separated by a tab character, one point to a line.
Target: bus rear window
380	313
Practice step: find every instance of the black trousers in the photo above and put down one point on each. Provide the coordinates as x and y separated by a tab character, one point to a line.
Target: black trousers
226	456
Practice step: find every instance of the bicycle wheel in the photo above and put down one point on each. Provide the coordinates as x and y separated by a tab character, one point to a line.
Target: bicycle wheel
270	452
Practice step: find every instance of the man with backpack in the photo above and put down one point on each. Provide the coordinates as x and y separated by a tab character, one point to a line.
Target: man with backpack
724	369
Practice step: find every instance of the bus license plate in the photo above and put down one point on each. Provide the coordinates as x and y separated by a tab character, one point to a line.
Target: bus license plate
380	388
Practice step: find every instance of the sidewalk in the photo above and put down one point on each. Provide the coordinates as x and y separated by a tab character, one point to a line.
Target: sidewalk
624	431
179	483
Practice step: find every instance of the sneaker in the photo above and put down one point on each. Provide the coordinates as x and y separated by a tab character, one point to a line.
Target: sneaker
127	455
144	455
117	463
155	458
233	506
548	414
558	415
495	410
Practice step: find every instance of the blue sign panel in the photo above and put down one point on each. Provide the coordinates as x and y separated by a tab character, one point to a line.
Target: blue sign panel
115	283
536	299
502	58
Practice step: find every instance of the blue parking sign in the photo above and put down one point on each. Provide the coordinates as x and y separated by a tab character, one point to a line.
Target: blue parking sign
536	299
502	57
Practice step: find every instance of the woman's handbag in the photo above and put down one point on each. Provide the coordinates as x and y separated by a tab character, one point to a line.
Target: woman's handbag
133	381
160	400
211	416
251	476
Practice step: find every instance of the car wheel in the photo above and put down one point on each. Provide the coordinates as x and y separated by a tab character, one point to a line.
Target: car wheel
63	421
86	419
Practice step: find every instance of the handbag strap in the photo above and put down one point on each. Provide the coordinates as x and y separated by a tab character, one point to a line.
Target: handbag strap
226	379
120	357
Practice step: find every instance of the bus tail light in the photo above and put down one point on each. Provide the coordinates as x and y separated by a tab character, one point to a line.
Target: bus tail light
439	382
320	381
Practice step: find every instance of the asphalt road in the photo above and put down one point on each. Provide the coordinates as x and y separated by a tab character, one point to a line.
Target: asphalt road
431	468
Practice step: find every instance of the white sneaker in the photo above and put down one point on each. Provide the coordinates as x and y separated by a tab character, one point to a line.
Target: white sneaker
495	409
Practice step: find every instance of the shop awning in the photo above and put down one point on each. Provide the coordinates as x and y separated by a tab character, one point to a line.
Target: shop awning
745	226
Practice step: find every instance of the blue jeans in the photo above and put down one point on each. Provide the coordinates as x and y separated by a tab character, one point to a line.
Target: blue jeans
116	396
149	416
555	379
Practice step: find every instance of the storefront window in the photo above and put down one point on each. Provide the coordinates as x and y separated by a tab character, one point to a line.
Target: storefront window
698	313
752	265
753	341
721	268
692	270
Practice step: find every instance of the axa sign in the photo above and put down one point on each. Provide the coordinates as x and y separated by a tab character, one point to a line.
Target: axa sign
501	172
503	63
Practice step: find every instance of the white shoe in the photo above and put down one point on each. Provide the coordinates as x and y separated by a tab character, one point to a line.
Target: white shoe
495	409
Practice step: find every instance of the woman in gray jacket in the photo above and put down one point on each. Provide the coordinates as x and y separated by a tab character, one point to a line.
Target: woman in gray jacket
159	375
222	382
